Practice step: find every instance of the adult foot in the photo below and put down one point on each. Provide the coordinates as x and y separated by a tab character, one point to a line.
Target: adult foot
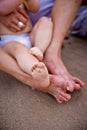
53	89
59	93
56	67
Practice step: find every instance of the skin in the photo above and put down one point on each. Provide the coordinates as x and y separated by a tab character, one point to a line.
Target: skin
9	6
55	91
31	65
16	13
30	59
60	30
12	5
11	67
61	77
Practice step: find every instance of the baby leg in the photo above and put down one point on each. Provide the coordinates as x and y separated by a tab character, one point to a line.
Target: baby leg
41	34
28	63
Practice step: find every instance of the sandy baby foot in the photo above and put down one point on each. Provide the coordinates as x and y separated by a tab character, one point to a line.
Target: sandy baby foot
37	53
40	73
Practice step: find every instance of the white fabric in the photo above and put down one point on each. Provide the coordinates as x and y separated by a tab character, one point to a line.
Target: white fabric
21	38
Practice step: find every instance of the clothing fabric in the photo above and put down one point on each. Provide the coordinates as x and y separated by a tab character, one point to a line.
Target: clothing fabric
21	38
79	26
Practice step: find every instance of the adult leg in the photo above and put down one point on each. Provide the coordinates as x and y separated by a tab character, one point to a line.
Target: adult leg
63	14
28	63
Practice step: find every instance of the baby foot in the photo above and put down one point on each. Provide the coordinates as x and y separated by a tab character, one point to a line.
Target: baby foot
40	72
37	53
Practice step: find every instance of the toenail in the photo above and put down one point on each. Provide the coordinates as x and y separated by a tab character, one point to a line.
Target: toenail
68	88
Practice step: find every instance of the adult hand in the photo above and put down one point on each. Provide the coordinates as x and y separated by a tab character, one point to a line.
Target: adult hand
11	20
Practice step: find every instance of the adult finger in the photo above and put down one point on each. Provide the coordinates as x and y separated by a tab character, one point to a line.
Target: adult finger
16	28
16	21
21	18
23	12
13	30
